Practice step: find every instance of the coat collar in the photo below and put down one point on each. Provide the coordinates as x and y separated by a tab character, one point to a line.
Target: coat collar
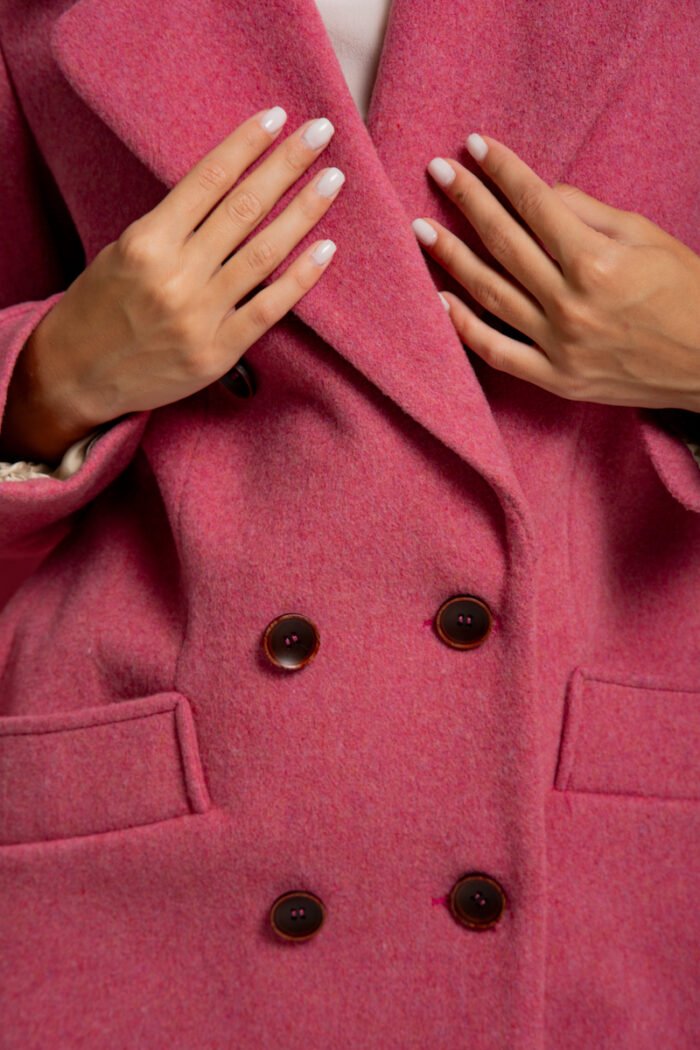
527	75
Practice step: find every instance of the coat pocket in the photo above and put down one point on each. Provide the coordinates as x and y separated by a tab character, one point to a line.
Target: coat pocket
629	737
96	769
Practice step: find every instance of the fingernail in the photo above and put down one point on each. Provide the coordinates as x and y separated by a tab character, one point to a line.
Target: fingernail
444	302
476	146
323	252
318	133
441	171
331	180
424	231
273	119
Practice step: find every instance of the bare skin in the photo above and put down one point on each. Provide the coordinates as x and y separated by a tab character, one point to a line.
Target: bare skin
610	300
153	318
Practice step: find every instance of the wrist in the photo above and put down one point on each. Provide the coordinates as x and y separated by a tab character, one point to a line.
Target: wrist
688	402
40	421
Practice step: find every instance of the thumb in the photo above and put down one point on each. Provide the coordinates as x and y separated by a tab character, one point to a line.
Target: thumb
614	222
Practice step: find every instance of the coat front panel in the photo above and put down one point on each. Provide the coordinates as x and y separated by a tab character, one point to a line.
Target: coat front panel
196	782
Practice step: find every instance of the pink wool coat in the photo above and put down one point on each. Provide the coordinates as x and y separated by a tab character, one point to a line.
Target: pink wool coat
363	711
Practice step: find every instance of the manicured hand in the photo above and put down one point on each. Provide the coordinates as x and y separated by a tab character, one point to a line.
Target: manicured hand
609	300
166	309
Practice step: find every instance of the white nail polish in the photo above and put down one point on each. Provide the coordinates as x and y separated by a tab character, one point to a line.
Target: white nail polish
476	146
444	301
318	133
323	252
273	119
424	231
331	181
442	172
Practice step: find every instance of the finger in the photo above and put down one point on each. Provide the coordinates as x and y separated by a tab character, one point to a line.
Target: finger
242	327
506	240
251	200
270	246
498	295
193	197
623	226
559	229
500	351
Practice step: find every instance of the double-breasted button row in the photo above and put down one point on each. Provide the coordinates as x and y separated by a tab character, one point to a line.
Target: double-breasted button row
298	915
463	622
240	379
292	640
476	901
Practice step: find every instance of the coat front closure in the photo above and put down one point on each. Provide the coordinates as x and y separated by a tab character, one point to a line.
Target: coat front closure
366	483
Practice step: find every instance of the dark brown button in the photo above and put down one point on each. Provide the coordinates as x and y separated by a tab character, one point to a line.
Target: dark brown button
291	641
463	622
477	901
297	916
240	379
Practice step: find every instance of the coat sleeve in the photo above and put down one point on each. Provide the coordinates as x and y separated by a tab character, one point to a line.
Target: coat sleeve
71	462
40	256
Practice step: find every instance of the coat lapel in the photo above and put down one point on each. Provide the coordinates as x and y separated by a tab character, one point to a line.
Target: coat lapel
172	78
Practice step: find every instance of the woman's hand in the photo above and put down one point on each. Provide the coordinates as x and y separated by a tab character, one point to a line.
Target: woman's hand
610	300
155	317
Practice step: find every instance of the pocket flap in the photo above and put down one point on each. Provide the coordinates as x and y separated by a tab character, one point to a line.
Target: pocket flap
629	737
99	769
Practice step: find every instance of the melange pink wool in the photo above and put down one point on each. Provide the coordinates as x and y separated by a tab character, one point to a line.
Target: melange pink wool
172	799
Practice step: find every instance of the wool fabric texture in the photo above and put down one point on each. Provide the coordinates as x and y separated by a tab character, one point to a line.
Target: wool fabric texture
162	782
356	31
